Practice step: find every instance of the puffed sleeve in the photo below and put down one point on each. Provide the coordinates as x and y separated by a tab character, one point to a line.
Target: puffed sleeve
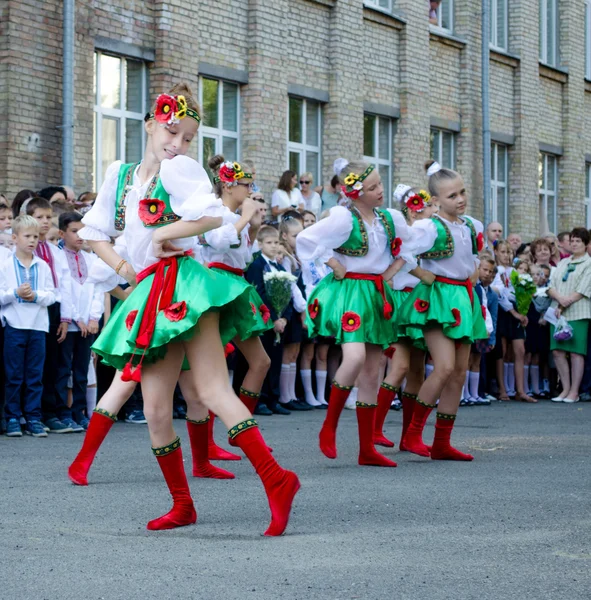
319	240
225	236
479	227
424	234
404	232
189	187
99	221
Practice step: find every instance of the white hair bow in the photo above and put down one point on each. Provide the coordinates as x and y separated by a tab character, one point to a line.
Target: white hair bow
339	165
434	168
401	191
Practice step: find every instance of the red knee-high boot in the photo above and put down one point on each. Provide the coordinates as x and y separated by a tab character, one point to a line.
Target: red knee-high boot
250	400
214	452
408	407
328	433
413	439
386	395
280	485
170	460
100	424
442	449
368	455
199	438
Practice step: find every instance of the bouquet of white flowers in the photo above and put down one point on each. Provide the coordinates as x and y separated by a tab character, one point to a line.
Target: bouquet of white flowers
525	288
278	289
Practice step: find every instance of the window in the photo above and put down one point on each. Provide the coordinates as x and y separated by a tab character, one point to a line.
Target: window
220	130
548	171
304	137
377	148
383	4
443	148
499	184
441	14
588	195
588	39
549	32
499	24
121	92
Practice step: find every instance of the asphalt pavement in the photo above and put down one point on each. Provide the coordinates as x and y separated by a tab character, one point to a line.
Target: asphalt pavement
513	524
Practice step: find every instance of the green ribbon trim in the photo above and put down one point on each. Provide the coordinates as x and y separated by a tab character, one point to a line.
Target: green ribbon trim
419	401
202	422
241	428
345	388
365	405
248	394
410	396
389	387
105	413
164	450
445	417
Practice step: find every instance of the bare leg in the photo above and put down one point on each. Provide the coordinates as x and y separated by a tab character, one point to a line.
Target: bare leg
519	353
577	363
563	372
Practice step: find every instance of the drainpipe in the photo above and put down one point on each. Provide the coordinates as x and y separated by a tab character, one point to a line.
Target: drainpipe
486	140
68	95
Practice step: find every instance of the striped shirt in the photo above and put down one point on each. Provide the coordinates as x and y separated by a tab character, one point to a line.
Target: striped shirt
574	275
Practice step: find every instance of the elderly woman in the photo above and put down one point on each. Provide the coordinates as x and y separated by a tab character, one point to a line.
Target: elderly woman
570	289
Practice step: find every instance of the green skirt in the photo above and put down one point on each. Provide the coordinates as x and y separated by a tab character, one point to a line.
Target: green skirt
198	290
578	343
350	310
443	305
412	336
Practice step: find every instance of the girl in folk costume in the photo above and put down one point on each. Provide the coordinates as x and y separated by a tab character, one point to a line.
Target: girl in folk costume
448	312
228	251
361	245
409	348
174	312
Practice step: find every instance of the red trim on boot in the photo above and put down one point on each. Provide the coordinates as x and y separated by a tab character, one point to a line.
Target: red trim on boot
97	431
442	449
328	433
408	407
280	485
214	452
368	455
183	511
413	439
199	438
385	398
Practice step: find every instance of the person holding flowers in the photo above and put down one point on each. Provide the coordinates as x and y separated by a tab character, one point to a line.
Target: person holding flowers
364	245
448	312
174	311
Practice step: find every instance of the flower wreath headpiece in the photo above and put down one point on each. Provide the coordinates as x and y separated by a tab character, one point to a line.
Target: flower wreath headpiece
231	173
353	187
171	109
414	202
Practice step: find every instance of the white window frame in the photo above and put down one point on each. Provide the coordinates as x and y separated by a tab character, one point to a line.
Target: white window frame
551	61
494	25
451	8
439	153
588	39
498	185
302	148
376	4
546	193
219	133
588	195
375	159
122	115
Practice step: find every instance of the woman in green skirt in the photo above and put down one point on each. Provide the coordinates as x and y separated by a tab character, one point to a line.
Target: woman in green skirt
570	288
364	245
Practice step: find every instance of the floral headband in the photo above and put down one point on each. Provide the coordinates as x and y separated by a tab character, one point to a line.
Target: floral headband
231	173
171	109
353	187
418	202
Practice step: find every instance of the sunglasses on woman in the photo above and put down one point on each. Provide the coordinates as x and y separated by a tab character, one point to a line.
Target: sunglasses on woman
306	182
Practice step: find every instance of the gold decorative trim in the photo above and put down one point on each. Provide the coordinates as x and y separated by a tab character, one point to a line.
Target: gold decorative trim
168	449
202	422
105	413
241	428
345	388
445	417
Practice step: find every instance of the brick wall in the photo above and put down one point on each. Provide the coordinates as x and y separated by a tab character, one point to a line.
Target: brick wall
502	98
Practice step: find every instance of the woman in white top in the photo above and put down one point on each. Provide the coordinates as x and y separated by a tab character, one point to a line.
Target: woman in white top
287	196
312	199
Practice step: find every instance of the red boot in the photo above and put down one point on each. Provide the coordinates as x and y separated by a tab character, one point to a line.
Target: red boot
170	460
198	436
413	439
328	433
442	449
250	400
408	407
214	452
100	424
386	395
368	455
280	485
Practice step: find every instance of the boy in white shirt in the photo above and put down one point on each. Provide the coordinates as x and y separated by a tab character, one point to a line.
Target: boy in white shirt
87	309
26	290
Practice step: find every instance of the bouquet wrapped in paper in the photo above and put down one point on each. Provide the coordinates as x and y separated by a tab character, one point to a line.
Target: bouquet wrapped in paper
525	288
278	289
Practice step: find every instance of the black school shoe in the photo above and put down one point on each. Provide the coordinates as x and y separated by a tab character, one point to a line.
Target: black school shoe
280	409
262	410
298	405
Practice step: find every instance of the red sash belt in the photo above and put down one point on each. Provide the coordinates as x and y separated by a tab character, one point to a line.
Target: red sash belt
225	267
378	281
461	282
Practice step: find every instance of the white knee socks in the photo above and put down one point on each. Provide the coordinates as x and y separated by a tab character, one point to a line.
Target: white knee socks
307	384
474	382
534	372
320	386
90	400
284	398
511	378
526	386
293	371
428	370
466	390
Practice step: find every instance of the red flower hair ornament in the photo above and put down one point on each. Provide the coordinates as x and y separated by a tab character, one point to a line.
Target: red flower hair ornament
416	203
421	306
350	321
